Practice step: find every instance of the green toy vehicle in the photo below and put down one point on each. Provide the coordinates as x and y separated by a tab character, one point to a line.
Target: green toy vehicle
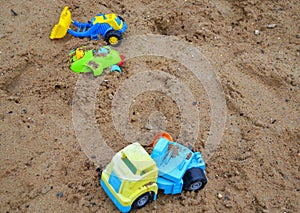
96	61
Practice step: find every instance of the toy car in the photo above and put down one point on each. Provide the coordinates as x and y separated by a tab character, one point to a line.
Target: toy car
109	26
96	61
133	177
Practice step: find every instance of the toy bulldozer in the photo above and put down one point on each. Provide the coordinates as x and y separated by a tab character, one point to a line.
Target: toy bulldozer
110	26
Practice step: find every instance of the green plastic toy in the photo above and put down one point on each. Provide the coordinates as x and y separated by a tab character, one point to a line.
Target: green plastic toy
96	61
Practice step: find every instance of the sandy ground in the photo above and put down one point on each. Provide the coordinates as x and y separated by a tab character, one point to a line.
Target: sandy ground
256	167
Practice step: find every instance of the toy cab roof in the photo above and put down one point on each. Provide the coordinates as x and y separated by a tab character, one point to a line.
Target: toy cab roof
133	162
138	156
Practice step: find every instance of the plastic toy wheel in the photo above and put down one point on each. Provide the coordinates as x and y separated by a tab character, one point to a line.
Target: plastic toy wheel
113	37
116	68
161	135
194	179
141	201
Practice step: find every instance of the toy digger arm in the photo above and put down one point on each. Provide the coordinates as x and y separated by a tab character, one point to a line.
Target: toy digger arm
61	29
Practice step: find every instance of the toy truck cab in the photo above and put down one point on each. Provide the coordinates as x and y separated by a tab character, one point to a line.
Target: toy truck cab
130	178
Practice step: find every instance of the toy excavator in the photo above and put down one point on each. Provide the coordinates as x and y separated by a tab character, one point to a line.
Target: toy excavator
109	26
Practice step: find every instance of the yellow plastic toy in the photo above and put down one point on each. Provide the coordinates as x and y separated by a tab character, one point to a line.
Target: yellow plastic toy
79	53
61	29
130	178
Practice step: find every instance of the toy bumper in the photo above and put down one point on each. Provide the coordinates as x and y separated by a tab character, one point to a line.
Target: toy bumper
112	196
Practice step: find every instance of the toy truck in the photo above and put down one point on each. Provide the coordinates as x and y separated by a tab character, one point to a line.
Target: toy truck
133	177
96	61
109	26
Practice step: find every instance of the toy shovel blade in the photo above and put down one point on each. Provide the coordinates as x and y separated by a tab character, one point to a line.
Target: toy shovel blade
61	29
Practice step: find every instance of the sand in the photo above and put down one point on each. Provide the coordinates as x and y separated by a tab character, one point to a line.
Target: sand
253	48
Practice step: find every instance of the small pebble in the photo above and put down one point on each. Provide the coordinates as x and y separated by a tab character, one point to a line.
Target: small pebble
256	32
110	96
59	194
133	119
259	123
80	188
219	195
271	26
148	126
46	189
13	13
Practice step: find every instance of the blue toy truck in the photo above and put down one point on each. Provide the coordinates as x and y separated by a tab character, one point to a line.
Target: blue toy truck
133	178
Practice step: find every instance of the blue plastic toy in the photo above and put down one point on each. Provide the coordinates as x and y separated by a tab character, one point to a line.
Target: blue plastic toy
178	167
109	26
